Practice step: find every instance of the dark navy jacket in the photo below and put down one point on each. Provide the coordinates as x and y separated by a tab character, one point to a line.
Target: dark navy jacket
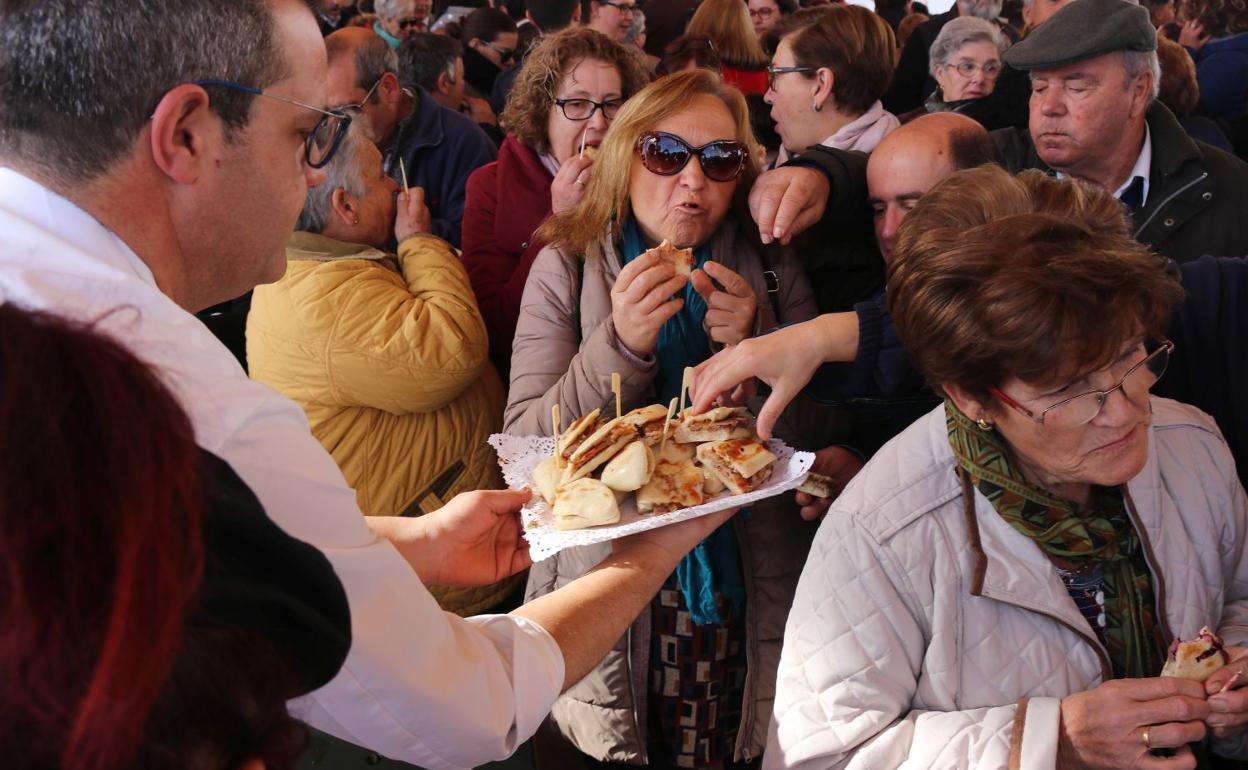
440	148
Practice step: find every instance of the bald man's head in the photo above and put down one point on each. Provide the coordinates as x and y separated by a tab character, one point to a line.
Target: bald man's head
363	78
913	159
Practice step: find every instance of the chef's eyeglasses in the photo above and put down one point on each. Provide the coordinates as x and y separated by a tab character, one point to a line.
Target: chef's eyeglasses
666	154
321	142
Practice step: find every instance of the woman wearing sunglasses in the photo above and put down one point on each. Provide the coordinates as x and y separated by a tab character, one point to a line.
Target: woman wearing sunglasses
677	158
490	38
572	84
1000	584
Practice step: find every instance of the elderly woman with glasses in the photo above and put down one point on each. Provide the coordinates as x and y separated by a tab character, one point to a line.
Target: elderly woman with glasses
396	19
966	61
385	352
675	161
570	89
1000	584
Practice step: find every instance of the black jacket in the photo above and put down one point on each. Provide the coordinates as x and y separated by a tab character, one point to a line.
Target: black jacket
1198	195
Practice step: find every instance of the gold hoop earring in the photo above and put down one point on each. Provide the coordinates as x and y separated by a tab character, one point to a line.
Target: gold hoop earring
816	107
984	424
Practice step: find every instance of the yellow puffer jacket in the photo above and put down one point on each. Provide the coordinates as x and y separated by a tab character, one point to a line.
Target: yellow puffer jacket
388	358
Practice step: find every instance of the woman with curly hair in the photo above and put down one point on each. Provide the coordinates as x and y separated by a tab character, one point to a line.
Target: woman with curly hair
566	96
1214	35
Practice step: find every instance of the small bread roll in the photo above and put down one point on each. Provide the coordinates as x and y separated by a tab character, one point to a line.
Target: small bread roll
630	469
585	503
547	475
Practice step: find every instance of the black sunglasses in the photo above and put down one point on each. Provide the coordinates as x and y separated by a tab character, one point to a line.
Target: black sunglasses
666	154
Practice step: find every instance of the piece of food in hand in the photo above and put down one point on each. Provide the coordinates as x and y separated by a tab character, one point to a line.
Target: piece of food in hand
629	470
671	487
681	259
547	476
818	485
649	420
741	464
596	450
1196	659
585	503
576	433
718	424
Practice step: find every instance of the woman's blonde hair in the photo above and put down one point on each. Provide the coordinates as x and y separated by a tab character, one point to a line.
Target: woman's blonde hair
726	23
605	203
533	95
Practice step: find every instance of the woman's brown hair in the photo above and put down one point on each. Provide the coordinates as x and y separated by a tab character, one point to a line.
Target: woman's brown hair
856	44
533	95
996	277
1219	17
727	24
605	203
1180	91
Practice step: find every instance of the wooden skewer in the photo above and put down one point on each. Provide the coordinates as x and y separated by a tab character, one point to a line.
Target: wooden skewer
403	173
584	136
1230	682
671	409
615	388
684	386
554	415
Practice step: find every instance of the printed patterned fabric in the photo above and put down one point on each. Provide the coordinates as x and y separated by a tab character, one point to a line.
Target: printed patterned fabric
1076	539
697	684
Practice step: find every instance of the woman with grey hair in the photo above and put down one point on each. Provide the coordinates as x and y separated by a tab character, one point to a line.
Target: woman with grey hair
965	60
386	352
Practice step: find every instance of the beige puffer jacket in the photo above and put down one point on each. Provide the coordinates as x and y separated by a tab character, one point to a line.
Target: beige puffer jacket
929	633
565	351
387	356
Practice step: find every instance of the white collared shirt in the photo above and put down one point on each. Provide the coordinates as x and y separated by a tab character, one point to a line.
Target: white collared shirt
419	684
1142	168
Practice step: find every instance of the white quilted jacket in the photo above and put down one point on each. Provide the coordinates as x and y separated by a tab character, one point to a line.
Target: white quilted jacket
924	637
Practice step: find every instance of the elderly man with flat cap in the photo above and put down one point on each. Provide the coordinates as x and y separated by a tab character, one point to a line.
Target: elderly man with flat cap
1094	116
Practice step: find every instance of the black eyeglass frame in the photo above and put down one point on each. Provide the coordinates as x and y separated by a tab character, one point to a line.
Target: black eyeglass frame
623	7
651	136
772	72
340	130
613	104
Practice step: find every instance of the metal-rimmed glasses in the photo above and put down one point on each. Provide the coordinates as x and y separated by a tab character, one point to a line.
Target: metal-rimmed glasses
356	108
1082	409
666	154
772	72
584	109
622	7
967	68
321	142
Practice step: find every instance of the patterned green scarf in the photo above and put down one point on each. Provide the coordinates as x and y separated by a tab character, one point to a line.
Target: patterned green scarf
1075	539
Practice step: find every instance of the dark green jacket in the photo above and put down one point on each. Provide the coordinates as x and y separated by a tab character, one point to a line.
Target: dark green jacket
1197	198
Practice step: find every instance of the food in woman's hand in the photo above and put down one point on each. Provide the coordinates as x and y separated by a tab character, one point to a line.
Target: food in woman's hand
672	486
718	424
1196	659
585	503
818	485
629	470
681	259
547	476
741	464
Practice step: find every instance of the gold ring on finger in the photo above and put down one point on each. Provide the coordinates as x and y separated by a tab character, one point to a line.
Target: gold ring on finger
1145	737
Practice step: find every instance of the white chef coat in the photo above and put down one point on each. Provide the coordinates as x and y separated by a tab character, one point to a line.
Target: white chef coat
419	685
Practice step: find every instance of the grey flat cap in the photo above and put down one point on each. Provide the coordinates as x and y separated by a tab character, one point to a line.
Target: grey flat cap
1083	30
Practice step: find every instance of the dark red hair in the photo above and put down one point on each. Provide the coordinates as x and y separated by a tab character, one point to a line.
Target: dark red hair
100	549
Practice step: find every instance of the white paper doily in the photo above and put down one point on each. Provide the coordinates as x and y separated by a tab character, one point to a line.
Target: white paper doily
519	455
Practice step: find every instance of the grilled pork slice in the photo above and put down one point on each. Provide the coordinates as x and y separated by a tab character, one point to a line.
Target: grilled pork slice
576	433
671	487
741	464
719	424
596	450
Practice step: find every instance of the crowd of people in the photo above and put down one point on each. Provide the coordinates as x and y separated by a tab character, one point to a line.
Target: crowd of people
288	264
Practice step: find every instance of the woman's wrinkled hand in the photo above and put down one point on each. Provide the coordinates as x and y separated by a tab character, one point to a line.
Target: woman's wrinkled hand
730	312
411	215
568	186
1228	711
641	301
1105	727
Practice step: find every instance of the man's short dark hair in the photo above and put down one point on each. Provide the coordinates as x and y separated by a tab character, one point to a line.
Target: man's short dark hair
79	79
971	147
424	56
553	15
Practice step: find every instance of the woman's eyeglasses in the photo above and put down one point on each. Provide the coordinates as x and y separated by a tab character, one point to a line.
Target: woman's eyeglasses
666	154
584	109
1082	409
773	72
761	13
321	142
967	68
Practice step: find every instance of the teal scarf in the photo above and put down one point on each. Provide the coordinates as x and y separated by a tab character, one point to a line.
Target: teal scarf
712	570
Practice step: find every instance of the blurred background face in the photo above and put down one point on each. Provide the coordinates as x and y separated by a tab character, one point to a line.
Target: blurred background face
687	207
900	172
591	79
971	72
501	50
413	18
792	101
763	15
613	18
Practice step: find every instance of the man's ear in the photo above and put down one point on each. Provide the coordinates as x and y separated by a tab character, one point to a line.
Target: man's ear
967	404
185	133
343	207
1141	94
389	89
443	84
